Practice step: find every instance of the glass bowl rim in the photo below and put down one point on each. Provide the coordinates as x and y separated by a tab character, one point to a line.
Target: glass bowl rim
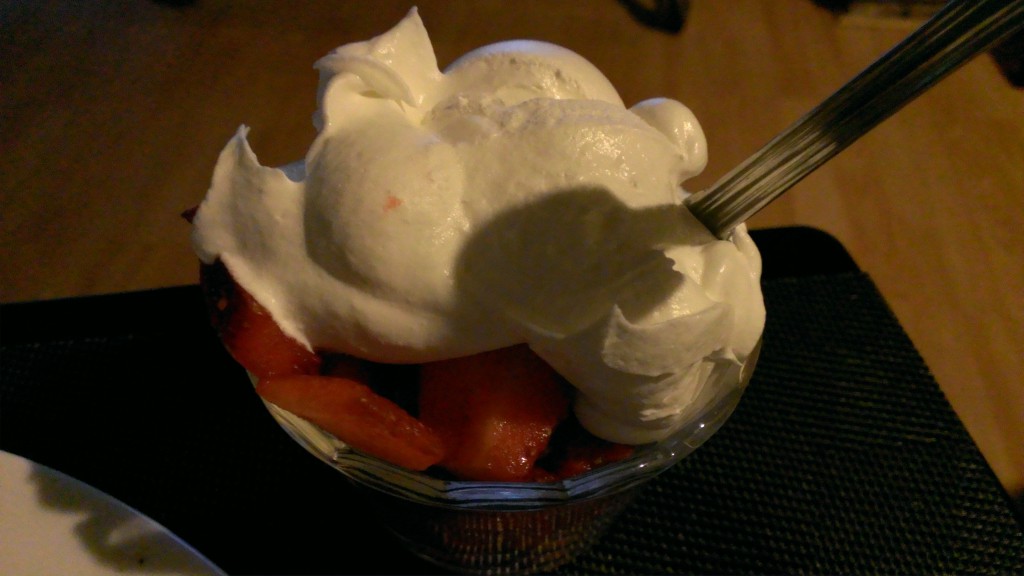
647	462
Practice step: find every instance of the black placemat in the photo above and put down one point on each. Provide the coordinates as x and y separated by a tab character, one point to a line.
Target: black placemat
843	457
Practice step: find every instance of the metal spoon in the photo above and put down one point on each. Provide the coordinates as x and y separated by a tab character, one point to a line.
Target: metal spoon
955	34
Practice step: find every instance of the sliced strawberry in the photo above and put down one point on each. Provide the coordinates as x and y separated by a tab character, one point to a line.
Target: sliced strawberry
495	411
189	214
345	366
356	415
248	331
574	451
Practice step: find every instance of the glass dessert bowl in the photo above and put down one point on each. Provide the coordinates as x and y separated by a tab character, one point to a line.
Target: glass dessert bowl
513	527
511	200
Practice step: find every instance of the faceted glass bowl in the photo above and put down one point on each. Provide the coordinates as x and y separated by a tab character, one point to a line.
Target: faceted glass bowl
514	527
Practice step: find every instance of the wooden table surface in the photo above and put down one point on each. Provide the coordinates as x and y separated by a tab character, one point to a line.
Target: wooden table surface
112	114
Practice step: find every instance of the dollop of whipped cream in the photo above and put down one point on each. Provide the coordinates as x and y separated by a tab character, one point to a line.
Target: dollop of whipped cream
510	198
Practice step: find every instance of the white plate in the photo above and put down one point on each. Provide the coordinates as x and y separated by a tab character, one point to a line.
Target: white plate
51	523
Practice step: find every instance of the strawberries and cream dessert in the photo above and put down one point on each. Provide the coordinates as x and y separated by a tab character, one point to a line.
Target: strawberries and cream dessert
508	228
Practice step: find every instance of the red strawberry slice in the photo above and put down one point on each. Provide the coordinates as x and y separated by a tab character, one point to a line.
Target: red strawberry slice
189	214
345	366
357	416
574	451
495	411
248	331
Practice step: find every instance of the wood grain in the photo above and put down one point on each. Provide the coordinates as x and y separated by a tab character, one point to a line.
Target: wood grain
113	114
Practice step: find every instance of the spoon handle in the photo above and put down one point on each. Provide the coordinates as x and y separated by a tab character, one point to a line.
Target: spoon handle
959	31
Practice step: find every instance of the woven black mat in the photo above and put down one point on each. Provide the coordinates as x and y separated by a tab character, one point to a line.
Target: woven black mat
844	457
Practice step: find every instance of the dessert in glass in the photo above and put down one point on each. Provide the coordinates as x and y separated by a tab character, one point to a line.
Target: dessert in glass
479	295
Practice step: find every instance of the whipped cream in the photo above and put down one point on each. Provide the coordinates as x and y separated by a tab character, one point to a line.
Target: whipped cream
510	198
